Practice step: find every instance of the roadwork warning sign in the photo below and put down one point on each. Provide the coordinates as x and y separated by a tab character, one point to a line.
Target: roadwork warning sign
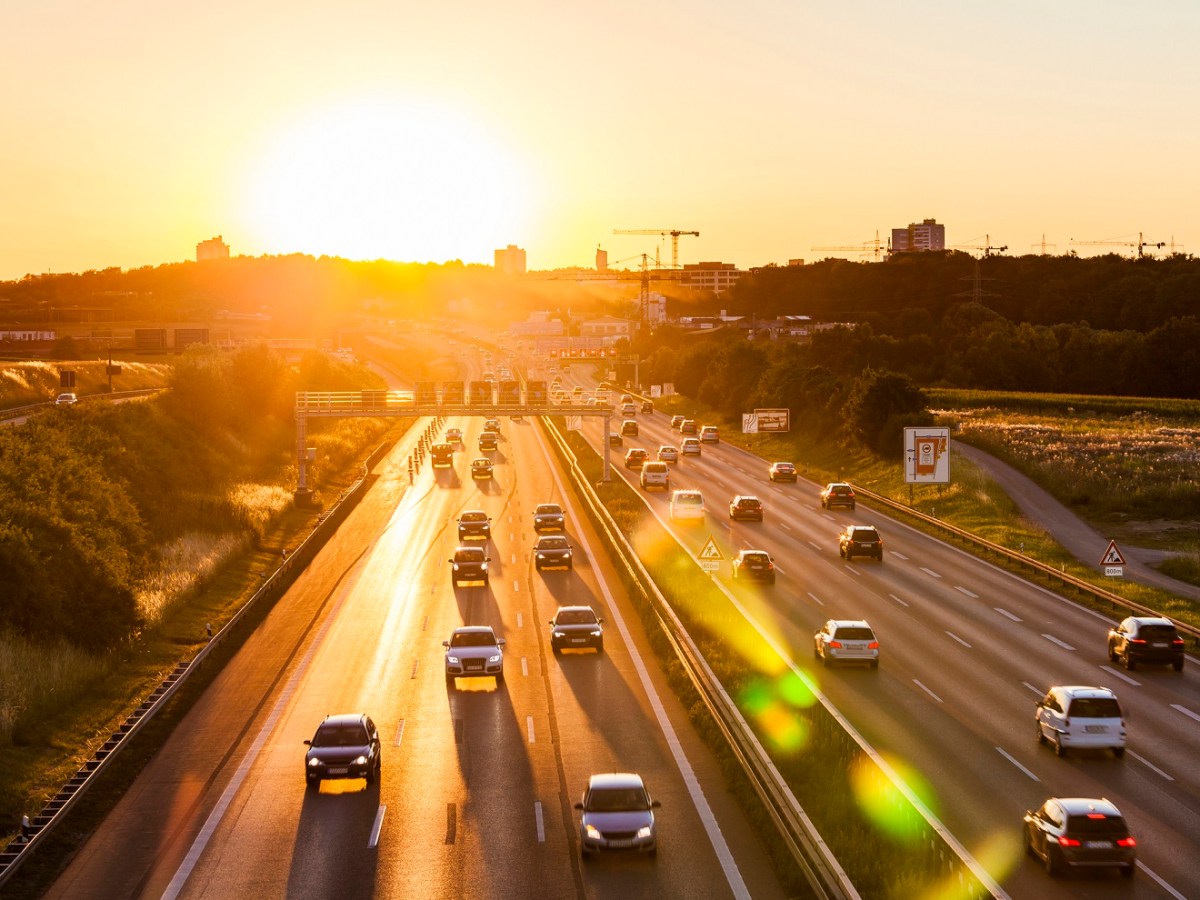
1112	556
710	551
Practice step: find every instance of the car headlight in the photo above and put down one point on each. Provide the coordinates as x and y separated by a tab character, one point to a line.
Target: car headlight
558	634
645	831
494	659
541	556
596	632
453	660
314	761
593	832
483	566
362	761
456	567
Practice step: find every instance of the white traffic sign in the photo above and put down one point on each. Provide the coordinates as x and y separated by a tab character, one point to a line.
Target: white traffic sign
1112	556
749	423
1114	571
710	565
710	552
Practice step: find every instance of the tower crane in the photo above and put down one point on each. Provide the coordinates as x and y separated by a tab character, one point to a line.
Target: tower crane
662	232
1140	245
874	247
1043	245
987	247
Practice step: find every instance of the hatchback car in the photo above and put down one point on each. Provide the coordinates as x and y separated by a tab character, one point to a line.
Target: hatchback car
492	424
746	506
668	453
629	428
1079	832
754	565
635	457
576	627
687	506
1146	639
441	455
489	440
710	435
344	746
474	650
647	406
656	474
782	471
688	426
615	439
66	399
846	640
481	468
552	551
676	421
837	494
549	517
474	524
628	409
1077	716
469	564
454	435
860	540
617	814
690	446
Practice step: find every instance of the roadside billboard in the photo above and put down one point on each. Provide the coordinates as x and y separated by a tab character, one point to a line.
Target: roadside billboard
927	455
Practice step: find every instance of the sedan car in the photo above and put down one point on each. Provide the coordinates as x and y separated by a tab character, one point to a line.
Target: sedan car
481	468
837	493
344	746
668	454
1146	639
1078	716
746	506
690	446
474	524
549	517
710	435
676	421
454	436
860	540
782	471
1079	832
629	428
469	564
552	551
615	439
754	565
66	399
474	650
617	814
635	457
576	627
846	640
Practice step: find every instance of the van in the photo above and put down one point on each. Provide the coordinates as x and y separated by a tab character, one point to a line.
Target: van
1073	716
687	506
656	475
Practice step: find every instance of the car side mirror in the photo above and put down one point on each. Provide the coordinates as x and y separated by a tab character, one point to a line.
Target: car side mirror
599	621
308	743
446	644
499	642
487	559
579	806
450	560
656	804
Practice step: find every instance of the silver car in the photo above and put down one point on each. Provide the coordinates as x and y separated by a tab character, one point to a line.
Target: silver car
474	650
846	640
617	814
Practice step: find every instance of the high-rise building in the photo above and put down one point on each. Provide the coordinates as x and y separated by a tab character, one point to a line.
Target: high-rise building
601	260
928	235
511	260
213	248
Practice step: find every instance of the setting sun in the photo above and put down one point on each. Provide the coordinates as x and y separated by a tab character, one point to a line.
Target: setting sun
385	179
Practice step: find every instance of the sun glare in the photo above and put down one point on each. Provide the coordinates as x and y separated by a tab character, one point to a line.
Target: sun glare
381	179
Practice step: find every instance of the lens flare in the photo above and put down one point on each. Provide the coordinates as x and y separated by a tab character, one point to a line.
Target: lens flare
883	802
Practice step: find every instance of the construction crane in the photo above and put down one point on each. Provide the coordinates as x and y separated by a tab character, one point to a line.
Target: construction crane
1140	245
987	247
662	232
874	247
1043	245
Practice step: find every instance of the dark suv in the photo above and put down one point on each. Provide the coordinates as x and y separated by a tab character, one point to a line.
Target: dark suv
754	565
1070	832
1146	639
469	564
474	524
345	746
635	457
837	494
860	540
744	506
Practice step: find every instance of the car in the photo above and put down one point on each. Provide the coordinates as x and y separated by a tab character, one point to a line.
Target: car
1146	639
860	540
549	517
481	468
709	434
474	650
687	426
344	746
629	428
66	399
576	627
754	565
626	398
746	506
492	424
782	471
846	640
628	409
474	524
617	813
591	401
647	406
615	439
687	506
441	455
635	457
668	453
1077	716
454	435
837	493
676	421
690	446
469	564
1080	832
489	440
552	551
656	474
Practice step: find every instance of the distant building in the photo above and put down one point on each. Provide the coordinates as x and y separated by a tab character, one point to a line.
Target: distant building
511	260
608	327
213	248
538	324
716	277
928	235
656	310
601	260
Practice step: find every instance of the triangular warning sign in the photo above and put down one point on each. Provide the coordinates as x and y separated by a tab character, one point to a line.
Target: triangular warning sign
1112	556
710	551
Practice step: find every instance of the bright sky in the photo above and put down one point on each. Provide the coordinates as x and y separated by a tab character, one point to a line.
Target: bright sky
424	131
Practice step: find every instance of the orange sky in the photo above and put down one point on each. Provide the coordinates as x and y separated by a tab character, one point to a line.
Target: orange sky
424	132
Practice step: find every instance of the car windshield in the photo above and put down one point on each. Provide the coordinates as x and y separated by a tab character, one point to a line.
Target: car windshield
756	558
552	544
750	502
547	509
474	517
1095	708
617	800
576	617
864	534
468	555
689	500
473	639
854	633
340	736
482	464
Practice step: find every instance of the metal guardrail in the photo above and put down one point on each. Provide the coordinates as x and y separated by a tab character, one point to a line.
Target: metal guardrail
53	813
15	412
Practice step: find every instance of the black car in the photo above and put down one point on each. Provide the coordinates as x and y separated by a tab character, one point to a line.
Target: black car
860	540
441	455
629	428
745	506
552	551
837	494
1146	639
615	439
647	406
489	440
1077	832
474	524
469	564
782	471
549	517
576	627
754	565
635	458
345	746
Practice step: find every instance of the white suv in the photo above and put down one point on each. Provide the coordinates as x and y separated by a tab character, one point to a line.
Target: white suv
656	475
687	506
1071	716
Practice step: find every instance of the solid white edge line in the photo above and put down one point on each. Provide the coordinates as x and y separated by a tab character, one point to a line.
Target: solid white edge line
373	840
1166	887
537	818
1009	757
1186	711
1149	765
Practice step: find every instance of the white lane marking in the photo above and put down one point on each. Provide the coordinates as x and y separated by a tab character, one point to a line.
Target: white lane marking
779	570
960	640
514	559
1166	887
399	732
853	570
899	555
930	572
373	840
928	691
897	599
1125	678
815	599
1186	711
529	728
963	590
520	620
1052	639
537	818
1036	690
1149	765
524	667
516	586
1017	764
1007	614
785	526
815	546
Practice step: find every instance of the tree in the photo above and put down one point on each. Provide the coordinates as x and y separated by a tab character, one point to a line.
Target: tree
881	405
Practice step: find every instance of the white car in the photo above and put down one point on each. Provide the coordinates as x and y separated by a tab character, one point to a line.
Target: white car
710	435
690	446
656	475
66	399
668	454
1072	716
687	506
846	640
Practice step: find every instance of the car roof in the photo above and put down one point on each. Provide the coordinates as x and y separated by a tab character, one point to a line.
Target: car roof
1078	806
753	553
860	528
583	608
1083	690
848	623
687	492
475	629
472	512
548	507
745	497
344	719
1151	620
837	484
616	780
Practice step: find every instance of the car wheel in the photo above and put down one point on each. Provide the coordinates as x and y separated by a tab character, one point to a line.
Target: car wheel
1041	736
825	660
771	580
1059	749
1054	864
1130	662
500	677
1112	653
1177	665
874	664
570	567
372	774
849	555
842	552
1119	752
851	507
450	685
879	556
312	783
600	646
555	649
